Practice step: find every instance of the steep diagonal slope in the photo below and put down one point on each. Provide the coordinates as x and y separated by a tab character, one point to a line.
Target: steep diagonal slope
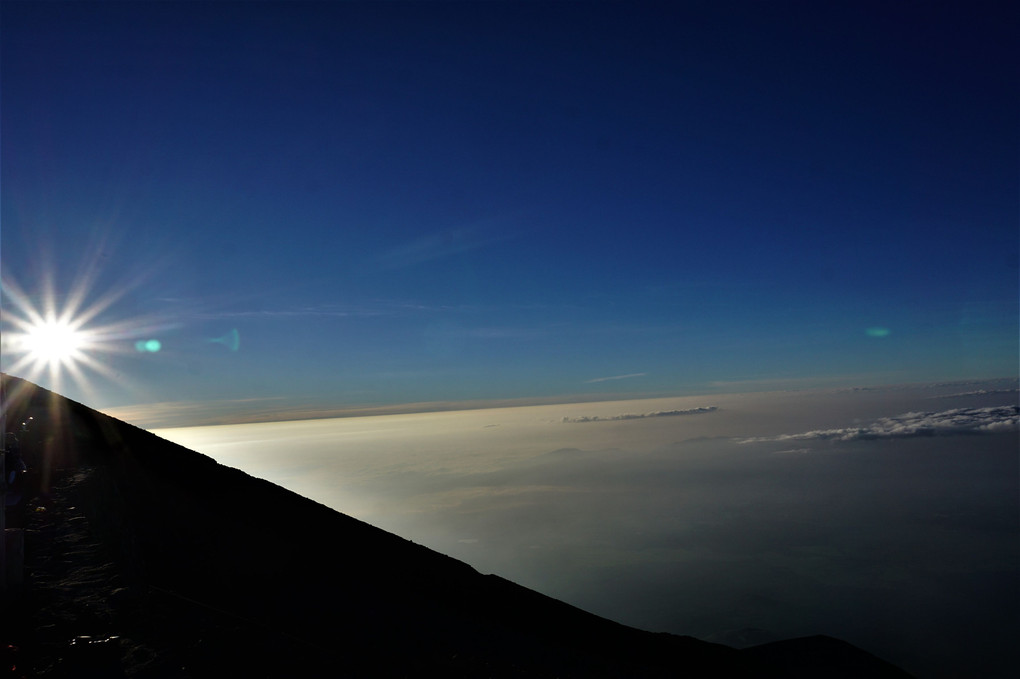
201	570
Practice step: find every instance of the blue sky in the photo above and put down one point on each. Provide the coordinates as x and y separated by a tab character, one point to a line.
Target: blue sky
397	202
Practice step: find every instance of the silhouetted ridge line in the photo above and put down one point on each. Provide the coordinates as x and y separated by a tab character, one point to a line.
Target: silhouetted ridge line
225	574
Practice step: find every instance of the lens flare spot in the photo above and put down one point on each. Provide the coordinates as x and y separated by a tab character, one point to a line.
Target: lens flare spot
148	346
877	332
232	340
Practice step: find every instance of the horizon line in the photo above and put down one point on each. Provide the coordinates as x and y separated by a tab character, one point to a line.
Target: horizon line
183	414
175	412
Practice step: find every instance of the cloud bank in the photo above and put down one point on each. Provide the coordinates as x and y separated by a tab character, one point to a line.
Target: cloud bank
638	416
981	392
946	423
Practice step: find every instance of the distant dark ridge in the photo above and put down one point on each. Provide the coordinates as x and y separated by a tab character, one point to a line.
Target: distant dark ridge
820	656
199	566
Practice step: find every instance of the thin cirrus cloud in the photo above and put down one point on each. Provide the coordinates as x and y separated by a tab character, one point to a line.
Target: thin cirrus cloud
508	333
957	421
374	308
614	377
437	245
287	313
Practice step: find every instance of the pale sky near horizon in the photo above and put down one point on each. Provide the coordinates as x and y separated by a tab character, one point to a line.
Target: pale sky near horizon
251	209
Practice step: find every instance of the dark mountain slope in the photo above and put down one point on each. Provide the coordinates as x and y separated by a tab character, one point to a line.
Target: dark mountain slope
202	570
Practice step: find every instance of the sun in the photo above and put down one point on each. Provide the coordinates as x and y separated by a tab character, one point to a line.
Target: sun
46	338
54	342
46	334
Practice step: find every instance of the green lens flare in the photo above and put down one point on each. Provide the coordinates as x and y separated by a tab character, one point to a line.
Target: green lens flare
148	346
877	332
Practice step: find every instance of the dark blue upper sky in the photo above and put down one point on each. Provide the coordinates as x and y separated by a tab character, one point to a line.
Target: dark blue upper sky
436	201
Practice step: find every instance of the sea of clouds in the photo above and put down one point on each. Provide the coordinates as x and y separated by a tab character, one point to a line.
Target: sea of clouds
894	526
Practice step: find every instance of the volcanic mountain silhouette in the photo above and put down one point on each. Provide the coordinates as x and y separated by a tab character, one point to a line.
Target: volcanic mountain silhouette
145	559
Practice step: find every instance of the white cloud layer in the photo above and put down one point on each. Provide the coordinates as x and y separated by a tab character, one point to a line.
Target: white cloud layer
946	423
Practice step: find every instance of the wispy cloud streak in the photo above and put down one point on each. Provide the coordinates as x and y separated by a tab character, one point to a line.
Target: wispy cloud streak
287	313
438	245
368	310
615	377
